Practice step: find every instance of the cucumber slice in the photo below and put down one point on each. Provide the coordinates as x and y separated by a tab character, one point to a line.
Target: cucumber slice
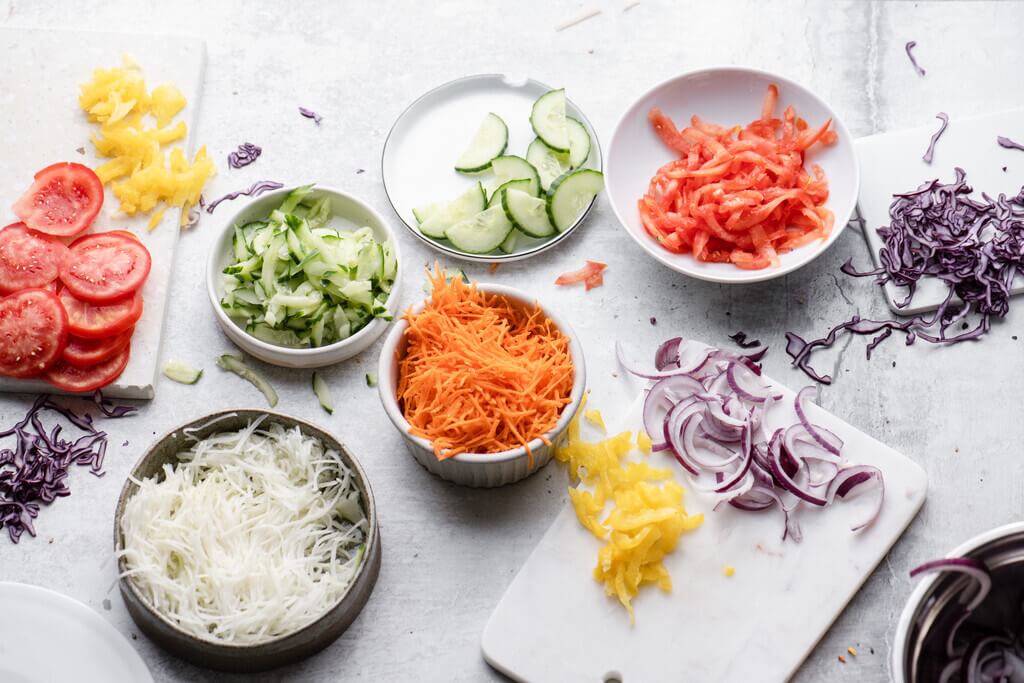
481	234
522	185
550	165
579	142
527	213
510	167
371	379
236	365
323	393
181	372
422	213
468	204
489	141
509	245
548	120
571	194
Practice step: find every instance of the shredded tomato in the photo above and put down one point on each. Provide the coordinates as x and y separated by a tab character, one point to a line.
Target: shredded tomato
591	275
481	373
738	195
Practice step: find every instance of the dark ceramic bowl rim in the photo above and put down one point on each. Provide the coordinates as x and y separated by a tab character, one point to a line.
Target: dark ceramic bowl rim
130	488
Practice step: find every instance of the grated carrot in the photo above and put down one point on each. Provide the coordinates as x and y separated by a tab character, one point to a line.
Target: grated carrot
481	374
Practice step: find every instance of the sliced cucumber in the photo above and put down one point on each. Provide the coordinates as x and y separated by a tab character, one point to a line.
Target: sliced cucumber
323	393
548	120
571	194
509	245
481	234
549	164
528	214
181	372
422	213
468	204
236	365
510	167
579	142
522	185
371	379
489	141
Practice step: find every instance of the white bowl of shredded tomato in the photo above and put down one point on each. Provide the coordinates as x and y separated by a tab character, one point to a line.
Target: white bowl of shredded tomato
444	382
732	175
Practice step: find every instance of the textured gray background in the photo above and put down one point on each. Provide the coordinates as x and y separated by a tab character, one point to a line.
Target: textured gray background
449	552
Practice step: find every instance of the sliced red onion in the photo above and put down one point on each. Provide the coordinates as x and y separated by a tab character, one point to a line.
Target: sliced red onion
668	354
693	366
853	481
310	114
737	375
976	569
821	436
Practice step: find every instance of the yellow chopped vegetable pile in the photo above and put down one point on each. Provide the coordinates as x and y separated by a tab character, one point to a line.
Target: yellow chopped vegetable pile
646	517
135	125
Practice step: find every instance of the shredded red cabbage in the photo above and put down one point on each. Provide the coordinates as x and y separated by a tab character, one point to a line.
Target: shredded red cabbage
974	246
1008	144
707	407
257	189
913	61
244	155
741	340
35	470
930	152
310	114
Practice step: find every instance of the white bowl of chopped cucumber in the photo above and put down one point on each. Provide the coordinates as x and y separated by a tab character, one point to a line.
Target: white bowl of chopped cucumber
304	277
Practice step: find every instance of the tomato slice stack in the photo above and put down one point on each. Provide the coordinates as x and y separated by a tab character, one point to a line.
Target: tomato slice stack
69	311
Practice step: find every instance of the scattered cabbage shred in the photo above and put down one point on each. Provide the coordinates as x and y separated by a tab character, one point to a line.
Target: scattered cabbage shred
135	127
253	535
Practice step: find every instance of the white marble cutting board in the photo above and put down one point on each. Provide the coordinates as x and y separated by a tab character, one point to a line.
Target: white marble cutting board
555	623
891	163
41	124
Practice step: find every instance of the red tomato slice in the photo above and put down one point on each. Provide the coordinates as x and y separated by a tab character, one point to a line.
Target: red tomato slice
70	378
104	267
63	200
28	258
33	331
82	352
95	322
591	275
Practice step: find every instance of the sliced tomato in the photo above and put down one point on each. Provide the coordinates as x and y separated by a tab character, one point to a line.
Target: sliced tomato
63	200
33	332
82	352
76	380
94	321
28	258
591	275
104	267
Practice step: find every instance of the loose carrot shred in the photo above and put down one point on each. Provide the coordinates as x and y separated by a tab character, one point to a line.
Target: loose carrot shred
480	373
738	195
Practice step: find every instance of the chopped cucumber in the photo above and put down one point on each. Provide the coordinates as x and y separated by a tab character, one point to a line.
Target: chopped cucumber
323	393
509	245
422	213
522	185
371	379
236	365
489	141
548	120
571	194
299	283
181	372
510	167
481	234
579	142
445	215
528	214
550	165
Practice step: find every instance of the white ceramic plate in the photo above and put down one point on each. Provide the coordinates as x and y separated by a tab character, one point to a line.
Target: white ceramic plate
46	636
418	158
727	96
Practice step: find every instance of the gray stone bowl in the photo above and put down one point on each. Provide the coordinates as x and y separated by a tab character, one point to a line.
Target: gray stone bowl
272	653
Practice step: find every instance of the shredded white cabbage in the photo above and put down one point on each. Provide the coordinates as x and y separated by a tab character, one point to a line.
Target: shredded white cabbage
253	535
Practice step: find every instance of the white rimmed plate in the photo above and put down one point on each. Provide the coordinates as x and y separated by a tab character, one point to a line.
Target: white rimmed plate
420	152
727	96
46	636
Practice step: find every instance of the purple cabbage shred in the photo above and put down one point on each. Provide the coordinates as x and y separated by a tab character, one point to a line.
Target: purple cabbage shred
1008	144
257	189
310	114
973	246
913	61
244	155
930	152
741	340
35	469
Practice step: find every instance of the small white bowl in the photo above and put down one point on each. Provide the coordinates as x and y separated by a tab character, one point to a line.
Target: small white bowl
348	212
480	469
727	96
